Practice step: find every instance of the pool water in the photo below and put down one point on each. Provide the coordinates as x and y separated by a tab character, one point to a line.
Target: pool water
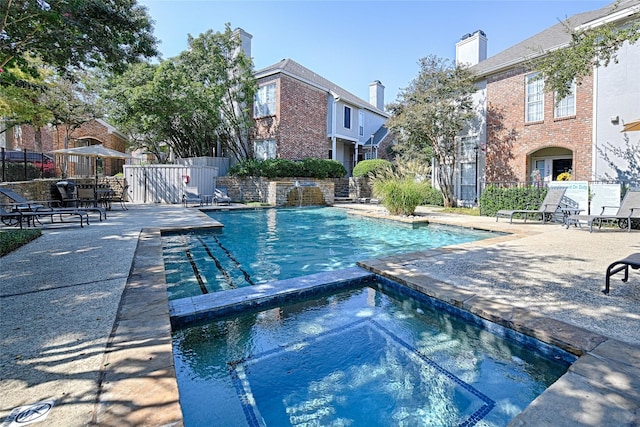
260	246
375	354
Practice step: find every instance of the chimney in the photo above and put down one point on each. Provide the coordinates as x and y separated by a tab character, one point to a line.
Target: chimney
376	95
472	48
245	41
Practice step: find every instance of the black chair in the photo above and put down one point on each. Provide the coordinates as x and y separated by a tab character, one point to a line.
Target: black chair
632	261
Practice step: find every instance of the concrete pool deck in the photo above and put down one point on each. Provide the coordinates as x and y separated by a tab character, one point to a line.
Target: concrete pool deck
84	315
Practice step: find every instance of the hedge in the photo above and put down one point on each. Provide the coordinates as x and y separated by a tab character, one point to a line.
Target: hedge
494	198
367	167
283	168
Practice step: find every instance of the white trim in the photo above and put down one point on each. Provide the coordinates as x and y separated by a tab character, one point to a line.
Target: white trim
594	126
616	16
348	138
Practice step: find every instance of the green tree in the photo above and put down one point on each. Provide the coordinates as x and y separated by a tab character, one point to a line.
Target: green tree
190	103
74	34
21	100
138	105
431	112
589	47
71	102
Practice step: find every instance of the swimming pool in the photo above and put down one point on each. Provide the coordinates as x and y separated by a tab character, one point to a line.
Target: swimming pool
260	246
373	353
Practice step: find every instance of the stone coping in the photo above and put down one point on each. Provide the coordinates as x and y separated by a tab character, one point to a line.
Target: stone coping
138	384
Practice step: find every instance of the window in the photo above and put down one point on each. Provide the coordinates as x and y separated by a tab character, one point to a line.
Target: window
361	123
347	117
468	181
265	101
468	147
265	149
566	107
534	98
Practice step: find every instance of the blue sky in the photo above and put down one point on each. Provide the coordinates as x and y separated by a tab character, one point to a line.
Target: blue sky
353	43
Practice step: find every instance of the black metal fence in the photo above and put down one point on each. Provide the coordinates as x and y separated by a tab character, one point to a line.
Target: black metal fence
25	165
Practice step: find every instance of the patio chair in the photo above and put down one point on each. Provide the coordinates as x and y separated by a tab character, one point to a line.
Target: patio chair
628	212
121	198
551	204
632	261
191	195
220	196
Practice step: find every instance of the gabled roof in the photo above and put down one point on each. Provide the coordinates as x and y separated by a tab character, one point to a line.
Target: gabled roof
378	136
297	71
552	38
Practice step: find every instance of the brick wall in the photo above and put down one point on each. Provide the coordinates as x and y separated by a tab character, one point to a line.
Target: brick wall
98	132
300	124
510	141
28	139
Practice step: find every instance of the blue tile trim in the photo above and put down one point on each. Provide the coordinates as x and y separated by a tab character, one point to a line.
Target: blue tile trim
202	308
476	416
526	341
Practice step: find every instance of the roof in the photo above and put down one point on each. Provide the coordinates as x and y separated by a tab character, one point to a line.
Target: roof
552	38
292	68
378	136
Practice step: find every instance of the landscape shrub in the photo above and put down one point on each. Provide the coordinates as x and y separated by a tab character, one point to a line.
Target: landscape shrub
323	168
249	167
401	196
433	197
494	198
282	168
370	167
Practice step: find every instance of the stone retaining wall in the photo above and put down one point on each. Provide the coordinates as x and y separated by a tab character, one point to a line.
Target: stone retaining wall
40	189
280	192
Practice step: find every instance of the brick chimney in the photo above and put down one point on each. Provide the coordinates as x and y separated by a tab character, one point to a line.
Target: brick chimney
245	41
472	48
376	95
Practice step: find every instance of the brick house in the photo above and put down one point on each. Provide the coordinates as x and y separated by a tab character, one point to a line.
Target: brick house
49	138
299	114
524	131
91	133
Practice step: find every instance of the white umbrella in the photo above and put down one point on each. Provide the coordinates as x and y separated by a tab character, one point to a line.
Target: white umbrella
96	151
93	151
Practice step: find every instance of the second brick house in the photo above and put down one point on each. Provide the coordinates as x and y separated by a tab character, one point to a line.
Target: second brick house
525	132
299	114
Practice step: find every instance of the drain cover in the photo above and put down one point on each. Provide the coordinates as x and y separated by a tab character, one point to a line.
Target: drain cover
29	414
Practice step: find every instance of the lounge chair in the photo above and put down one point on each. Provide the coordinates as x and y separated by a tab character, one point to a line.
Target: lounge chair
191	195
550	206
632	261
220	196
21	203
18	217
11	218
628	212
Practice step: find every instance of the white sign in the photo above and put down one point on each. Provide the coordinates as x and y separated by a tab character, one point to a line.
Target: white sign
605	195
576	196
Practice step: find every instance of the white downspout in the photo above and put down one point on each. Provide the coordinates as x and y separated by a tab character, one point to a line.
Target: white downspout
594	130
334	111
